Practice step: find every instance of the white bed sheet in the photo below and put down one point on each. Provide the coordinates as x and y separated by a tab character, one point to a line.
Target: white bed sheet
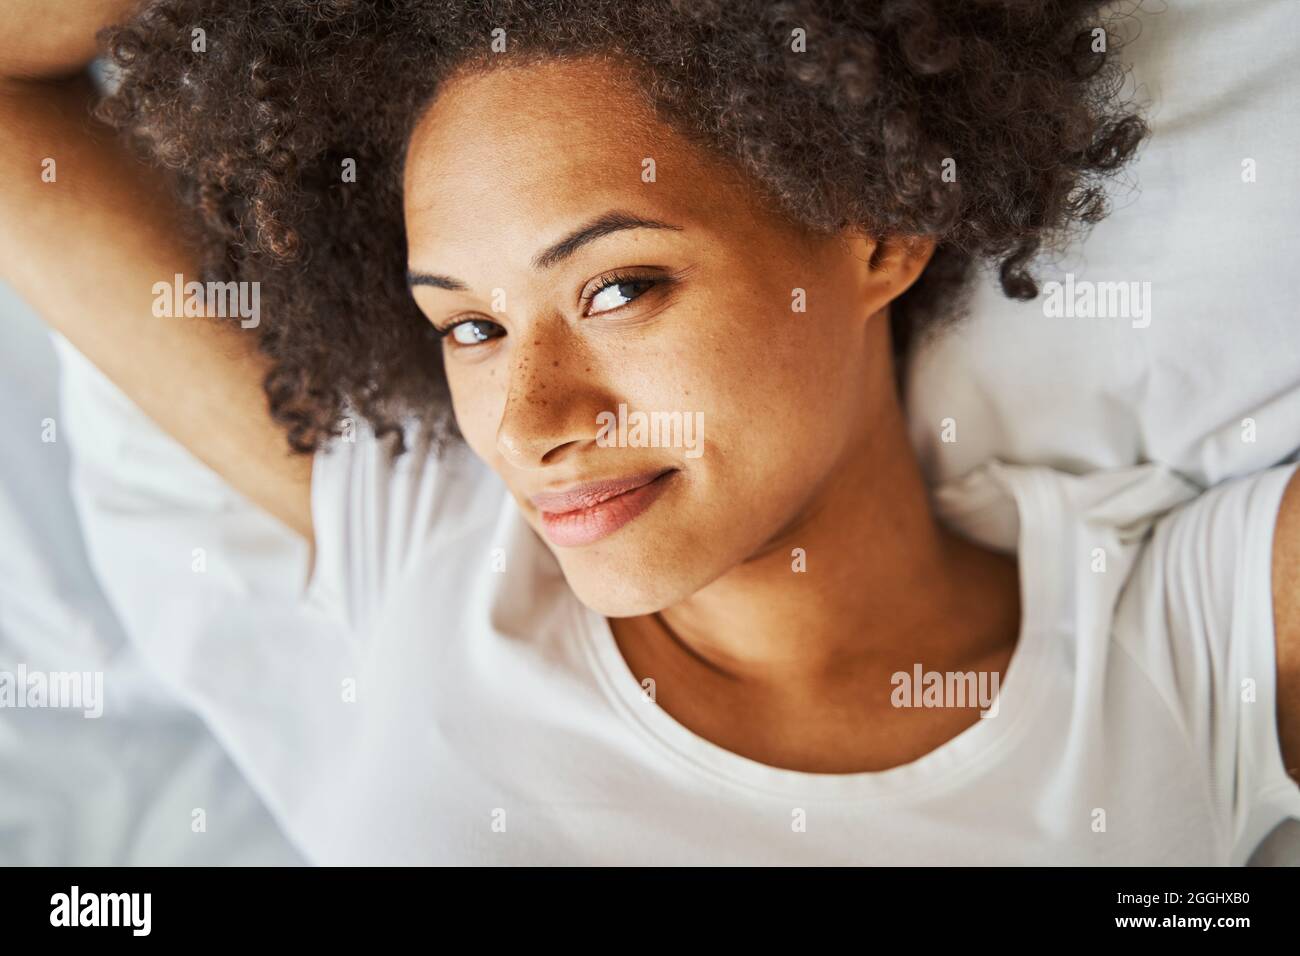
121	788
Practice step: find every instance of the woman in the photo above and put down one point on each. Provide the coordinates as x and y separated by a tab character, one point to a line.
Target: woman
681	594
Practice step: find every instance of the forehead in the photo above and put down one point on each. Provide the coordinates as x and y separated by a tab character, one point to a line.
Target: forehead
543	145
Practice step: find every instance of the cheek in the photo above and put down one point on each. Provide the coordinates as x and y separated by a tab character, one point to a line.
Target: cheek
761	374
778	391
477	399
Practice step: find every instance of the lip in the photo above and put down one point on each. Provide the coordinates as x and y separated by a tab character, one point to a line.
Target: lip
588	512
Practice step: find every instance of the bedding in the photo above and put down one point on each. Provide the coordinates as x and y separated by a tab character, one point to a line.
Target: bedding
1204	373
123	787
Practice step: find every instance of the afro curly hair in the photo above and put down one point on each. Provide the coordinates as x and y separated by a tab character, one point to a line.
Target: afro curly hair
855	127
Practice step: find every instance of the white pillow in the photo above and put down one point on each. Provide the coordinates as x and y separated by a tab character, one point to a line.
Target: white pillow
1220	83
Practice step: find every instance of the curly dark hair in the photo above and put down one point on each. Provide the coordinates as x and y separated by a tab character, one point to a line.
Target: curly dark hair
853	131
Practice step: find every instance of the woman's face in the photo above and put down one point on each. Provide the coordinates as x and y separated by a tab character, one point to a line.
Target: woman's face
752	354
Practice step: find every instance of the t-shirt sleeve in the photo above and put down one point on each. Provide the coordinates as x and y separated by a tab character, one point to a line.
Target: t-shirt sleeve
1197	614
372	512
159	522
160	525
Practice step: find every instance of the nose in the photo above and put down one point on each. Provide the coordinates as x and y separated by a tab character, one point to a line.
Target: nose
551	401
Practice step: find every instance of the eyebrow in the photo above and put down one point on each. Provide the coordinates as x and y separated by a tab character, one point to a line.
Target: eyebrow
616	220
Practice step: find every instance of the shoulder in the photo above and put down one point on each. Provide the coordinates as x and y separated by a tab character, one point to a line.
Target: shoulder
1204	577
1197	617
377	513
1210	613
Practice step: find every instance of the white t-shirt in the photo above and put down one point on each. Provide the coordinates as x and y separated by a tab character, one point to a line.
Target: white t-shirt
439	695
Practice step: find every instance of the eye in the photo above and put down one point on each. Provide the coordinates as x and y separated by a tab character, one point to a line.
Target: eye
472	331
618	290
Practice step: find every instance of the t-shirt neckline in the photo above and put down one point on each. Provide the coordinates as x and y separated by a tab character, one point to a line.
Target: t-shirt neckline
1020	694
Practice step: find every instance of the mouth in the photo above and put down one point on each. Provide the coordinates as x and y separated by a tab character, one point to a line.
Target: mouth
586	513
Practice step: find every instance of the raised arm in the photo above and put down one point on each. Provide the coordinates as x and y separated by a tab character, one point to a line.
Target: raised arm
85	238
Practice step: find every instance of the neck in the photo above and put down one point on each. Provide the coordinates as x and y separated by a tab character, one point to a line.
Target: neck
884	583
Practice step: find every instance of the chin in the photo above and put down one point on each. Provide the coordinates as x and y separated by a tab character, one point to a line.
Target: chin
631	593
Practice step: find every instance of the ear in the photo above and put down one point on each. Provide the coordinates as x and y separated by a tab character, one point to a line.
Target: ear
889	265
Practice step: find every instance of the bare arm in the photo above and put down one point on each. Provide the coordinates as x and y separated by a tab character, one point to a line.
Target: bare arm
86	249
1286	624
